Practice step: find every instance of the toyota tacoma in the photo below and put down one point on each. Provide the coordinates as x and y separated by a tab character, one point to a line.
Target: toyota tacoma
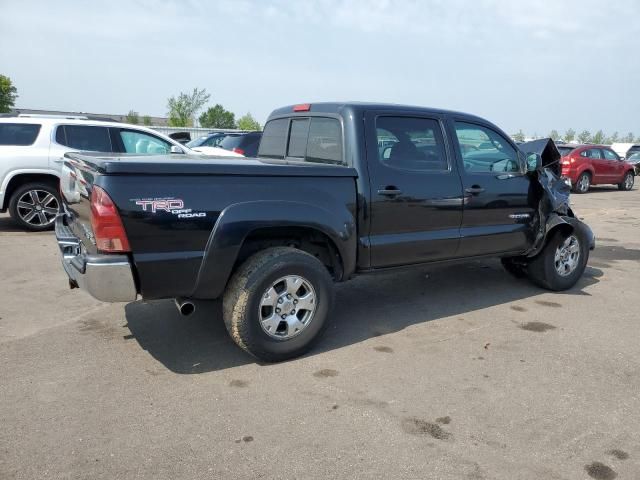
337	190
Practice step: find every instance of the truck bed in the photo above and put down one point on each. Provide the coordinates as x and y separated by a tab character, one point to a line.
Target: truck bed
186	218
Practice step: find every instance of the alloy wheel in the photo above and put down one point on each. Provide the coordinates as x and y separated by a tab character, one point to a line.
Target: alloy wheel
287	307
38	208
567	256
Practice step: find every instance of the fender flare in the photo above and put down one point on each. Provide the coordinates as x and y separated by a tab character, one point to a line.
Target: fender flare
23	171
554	222
237	221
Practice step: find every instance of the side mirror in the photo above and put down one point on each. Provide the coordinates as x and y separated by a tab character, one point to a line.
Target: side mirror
176	149
534	162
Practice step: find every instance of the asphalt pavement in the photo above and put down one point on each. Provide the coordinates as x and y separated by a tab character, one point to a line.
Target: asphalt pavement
448	372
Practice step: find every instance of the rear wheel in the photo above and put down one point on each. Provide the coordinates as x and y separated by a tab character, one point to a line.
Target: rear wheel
277	303
562	262
627	182
584	183
34	206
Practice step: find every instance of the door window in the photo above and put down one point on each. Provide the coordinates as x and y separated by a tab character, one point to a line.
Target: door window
410	143
143	143
485	150
84	137
609	154
593	153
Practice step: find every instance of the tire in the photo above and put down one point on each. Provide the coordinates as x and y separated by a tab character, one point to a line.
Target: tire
583	183
627	182
249	311
513	267
34	206
543	270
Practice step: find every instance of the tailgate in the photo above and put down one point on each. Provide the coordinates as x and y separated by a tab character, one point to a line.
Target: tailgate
76	183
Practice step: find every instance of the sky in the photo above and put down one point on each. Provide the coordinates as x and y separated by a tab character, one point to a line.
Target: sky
534	65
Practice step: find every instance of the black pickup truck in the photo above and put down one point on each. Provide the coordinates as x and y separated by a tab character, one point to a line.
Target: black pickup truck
339	189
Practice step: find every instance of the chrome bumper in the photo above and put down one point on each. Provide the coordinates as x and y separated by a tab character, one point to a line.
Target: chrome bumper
108	278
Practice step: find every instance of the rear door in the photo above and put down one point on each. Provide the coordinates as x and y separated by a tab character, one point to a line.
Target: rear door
594	157
416	195
498	204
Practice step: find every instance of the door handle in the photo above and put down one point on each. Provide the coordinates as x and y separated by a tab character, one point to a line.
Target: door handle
474	190
389	191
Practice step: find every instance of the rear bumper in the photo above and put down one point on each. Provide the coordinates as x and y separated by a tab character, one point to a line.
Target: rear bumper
108	278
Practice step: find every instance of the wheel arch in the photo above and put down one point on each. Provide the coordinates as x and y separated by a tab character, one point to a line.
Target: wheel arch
246	228
15	179
566	224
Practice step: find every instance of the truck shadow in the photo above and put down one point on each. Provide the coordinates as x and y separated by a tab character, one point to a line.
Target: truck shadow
8	225
366	307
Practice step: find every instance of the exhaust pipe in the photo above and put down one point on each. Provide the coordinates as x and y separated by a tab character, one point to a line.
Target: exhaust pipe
185	307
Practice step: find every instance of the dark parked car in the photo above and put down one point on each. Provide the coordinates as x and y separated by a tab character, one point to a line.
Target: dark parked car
243	143
340	189
210	140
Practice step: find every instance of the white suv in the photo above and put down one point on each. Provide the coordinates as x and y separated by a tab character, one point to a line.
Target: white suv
32	151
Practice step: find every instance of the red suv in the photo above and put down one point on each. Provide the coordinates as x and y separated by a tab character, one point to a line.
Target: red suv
587	165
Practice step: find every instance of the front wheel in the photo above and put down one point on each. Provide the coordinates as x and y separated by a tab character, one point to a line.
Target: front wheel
627	182
278	303
34	206
562	262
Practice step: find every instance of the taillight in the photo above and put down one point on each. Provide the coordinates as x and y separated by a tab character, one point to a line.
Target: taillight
303	107
106	223
238	150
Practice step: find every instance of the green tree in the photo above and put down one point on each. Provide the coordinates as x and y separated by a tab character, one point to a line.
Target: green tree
554	135
146	120
570	135
182	110
628	138
247	122
518	137
8	94
614	138
598	137
218	117
132	117
584	136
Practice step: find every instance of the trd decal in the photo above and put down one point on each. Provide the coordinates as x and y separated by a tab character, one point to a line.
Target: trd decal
174	206
166	205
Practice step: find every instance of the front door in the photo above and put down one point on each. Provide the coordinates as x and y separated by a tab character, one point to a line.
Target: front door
614	167
416	195
499	205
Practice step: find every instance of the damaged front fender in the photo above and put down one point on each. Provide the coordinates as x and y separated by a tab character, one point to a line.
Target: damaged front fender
553	205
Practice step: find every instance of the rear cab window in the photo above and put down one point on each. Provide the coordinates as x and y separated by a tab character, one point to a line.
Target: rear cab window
310	139
18	134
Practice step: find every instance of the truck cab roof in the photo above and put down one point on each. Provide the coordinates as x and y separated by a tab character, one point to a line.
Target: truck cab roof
339	108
